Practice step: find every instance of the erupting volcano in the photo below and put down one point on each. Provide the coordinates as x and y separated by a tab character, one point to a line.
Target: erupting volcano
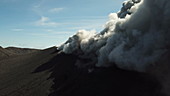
129	57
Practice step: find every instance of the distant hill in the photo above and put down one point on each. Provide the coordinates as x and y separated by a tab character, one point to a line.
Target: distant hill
13	51
20	51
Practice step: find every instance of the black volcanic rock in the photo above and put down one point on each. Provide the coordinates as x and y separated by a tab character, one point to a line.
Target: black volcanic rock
52	73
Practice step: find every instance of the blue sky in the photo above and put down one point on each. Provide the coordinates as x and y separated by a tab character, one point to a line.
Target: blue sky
45	23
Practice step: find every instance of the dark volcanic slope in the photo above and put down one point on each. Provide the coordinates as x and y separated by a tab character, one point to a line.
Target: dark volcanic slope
17	79
51	73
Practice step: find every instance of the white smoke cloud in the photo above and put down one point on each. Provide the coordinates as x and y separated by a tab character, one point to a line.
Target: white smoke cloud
133	39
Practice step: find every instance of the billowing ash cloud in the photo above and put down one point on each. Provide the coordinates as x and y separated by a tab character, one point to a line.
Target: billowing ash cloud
133	39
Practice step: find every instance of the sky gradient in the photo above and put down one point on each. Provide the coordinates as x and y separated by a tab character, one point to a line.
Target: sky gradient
45	23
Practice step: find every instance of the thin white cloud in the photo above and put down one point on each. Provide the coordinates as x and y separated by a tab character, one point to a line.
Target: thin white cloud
56	10
17	30
45	21
58	32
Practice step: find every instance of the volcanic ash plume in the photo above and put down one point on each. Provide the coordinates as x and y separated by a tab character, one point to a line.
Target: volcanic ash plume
133	39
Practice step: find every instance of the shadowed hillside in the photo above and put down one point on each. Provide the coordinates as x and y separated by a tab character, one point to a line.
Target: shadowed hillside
53	73
72	81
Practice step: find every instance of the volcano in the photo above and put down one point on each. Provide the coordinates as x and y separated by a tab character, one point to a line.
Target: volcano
129	57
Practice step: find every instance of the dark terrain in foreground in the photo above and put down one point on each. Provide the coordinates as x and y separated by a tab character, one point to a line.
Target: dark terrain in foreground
52	73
